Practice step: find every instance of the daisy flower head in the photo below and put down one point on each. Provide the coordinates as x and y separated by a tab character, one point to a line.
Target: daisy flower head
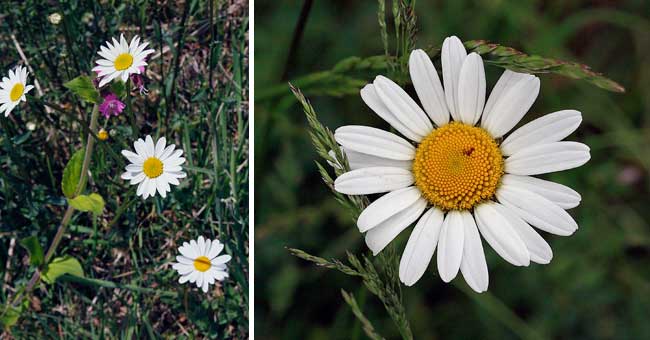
121	59
13	89
200	262
153	166
457	171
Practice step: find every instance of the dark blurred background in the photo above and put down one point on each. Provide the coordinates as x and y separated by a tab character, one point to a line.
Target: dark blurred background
598	284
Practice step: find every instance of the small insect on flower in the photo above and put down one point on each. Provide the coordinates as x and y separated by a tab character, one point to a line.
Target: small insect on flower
13	89
121	59
200	262
453	173
102	135
153	167
111	106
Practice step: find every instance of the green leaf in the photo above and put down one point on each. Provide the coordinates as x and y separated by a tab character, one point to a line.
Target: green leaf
118	88
60	266
71	174
93	203
34	249
11	314
83	87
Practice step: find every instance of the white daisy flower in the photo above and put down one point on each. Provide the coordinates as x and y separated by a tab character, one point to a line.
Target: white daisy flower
457	177
199	262
13	89
153	167
121	59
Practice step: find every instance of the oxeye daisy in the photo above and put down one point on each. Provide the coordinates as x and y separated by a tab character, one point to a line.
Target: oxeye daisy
457	171
121	59
153	167
13	89
200	262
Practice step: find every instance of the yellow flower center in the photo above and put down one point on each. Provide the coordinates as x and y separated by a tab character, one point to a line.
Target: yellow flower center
152	167
17	92
102	134
123	61
202	263
457	166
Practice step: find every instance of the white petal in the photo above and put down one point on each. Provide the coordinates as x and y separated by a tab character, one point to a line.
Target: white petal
189	251
149	146
563	196
552	127
373	180
358	160
471	89
161	186
537	210
371	98
428	87
545	158
500	234
140	148
514	101
185	278
507	80
184	260
140	191
453	55
386	206
167	152
201	242
420	247
137	178
473	265
199	279
402	106
450	246
374	142
205	285
216	248
160	147
221	259
379	237
540	251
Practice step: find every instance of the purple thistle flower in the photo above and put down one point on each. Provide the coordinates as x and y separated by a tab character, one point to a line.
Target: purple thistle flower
111	106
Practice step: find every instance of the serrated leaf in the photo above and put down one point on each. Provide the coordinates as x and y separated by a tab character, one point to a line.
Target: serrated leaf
34	249
71	174
93	203
84	88
60	266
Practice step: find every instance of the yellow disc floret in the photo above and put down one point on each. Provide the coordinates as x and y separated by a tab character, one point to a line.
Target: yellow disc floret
457	166
16	92
152	167
102	134
202	263
123	61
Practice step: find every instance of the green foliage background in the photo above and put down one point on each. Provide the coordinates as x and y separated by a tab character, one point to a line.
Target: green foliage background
198	99
598	284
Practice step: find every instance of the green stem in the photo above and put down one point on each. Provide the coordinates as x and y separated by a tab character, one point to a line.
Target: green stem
90	142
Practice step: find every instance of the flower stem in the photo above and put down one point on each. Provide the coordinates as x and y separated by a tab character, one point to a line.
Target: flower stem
83	179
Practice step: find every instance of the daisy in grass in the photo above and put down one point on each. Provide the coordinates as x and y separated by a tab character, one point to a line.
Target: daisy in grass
457	171
199	262
153	167
13	89
121	59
